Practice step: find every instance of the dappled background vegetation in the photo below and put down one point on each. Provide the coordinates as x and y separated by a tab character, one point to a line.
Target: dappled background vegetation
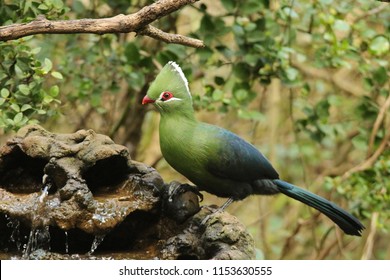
306	81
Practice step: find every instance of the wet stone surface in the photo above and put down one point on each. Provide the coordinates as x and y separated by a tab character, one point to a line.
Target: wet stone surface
80	196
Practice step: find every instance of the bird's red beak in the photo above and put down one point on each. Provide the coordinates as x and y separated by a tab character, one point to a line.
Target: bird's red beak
147	100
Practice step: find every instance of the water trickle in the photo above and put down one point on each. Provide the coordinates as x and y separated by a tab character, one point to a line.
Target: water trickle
39	237
96	242
46	187
15	235
66	243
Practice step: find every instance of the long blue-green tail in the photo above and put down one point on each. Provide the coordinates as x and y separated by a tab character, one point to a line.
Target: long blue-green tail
348	223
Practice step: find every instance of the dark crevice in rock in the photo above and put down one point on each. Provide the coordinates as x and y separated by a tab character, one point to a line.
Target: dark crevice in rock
127	235
187	257
73	241
107	173
20	173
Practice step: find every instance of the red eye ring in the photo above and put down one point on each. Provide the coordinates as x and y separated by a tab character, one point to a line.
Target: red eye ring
166	95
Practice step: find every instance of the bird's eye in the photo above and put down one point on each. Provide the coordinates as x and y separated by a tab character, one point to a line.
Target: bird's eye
166	95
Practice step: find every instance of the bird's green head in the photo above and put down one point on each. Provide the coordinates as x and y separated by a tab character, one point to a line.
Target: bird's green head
169	92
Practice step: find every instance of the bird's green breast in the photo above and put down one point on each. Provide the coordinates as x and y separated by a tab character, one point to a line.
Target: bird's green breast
185	147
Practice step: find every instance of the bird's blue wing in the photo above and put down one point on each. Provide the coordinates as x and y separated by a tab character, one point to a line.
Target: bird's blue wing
238	160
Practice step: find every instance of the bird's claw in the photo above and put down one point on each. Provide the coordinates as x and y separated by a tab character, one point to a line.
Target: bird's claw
216	211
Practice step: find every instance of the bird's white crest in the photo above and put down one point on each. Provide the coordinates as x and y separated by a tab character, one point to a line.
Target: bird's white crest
181	74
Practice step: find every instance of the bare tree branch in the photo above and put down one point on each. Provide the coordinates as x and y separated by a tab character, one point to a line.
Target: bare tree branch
339	78
137	22
158	34
369	162
368	247
378	122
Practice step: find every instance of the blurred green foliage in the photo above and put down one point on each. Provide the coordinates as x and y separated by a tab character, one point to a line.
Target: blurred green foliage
372	184
330	59
25	94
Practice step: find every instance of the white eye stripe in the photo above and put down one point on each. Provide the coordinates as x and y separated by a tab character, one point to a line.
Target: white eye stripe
172	99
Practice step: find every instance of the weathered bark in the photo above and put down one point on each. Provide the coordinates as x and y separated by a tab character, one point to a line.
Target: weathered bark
137	22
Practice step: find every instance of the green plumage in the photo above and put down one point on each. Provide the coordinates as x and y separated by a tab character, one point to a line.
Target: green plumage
218	161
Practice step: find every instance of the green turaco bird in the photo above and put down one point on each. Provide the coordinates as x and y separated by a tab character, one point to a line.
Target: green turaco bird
218	161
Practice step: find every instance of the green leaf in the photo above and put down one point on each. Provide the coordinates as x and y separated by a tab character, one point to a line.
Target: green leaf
78	6
57	75
58	4
132	53
206	24
2	101
25	107
241	71
15	107
95	100
250	7
47	99
54	90
27	6
217	95
359	142
291	73
204	53
341	25
289	13
4	93
24	89
251	115
36	50
18	117
43	7
240	94
322	108
379	45
380	76
251	59
229	5
19	72
335	100
47	66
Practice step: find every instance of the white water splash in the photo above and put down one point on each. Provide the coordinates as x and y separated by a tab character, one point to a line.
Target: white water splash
66	243
96	242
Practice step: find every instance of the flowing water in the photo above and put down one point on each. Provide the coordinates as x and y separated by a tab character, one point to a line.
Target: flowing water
39	237
15	235
96	242
66	243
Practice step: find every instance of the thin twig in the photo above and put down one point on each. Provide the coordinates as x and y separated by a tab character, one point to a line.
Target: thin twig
369	162
158	34
377	124
372	12
325	252
339	78
367	252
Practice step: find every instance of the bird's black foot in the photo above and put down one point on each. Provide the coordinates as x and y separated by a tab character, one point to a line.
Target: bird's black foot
177	188
216	211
